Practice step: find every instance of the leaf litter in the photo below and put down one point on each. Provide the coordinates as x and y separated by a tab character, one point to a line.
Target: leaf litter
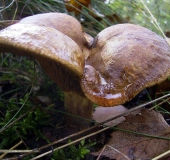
138	137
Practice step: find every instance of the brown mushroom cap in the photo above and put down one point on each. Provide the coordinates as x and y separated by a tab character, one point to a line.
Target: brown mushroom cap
58	54
64	23
126	59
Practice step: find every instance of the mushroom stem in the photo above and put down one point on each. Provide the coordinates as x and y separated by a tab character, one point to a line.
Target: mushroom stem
79	107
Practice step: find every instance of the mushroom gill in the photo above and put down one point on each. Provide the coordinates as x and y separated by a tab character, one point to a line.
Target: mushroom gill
58	42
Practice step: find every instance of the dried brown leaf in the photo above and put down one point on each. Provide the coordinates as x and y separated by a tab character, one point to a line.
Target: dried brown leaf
103	113
139	147
76	5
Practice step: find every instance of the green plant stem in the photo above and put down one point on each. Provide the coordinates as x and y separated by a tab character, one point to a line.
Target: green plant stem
141	134
9	123
91	128
92	134
7	6
5	153
154	19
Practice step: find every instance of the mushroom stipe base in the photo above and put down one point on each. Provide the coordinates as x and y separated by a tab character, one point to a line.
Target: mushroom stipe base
79	110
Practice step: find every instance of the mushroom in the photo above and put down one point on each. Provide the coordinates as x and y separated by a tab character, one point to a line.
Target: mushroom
58	42
110	70
64	23
125	59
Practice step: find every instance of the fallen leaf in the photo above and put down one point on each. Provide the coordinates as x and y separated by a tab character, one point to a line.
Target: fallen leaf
76	5
44	100
138	147
103	113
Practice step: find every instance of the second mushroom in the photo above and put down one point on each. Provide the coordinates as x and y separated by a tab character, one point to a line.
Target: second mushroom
110	70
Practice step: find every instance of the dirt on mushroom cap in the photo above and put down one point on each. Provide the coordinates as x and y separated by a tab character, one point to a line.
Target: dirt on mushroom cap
126	59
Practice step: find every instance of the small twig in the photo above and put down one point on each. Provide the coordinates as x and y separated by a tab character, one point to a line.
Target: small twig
70	143
101	152
118	152
91	128
9	21
159	103
16	151
7	151
161	156
108	120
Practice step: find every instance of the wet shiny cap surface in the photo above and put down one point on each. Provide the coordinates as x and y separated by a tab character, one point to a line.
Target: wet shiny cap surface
58	54
64	23
126	59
